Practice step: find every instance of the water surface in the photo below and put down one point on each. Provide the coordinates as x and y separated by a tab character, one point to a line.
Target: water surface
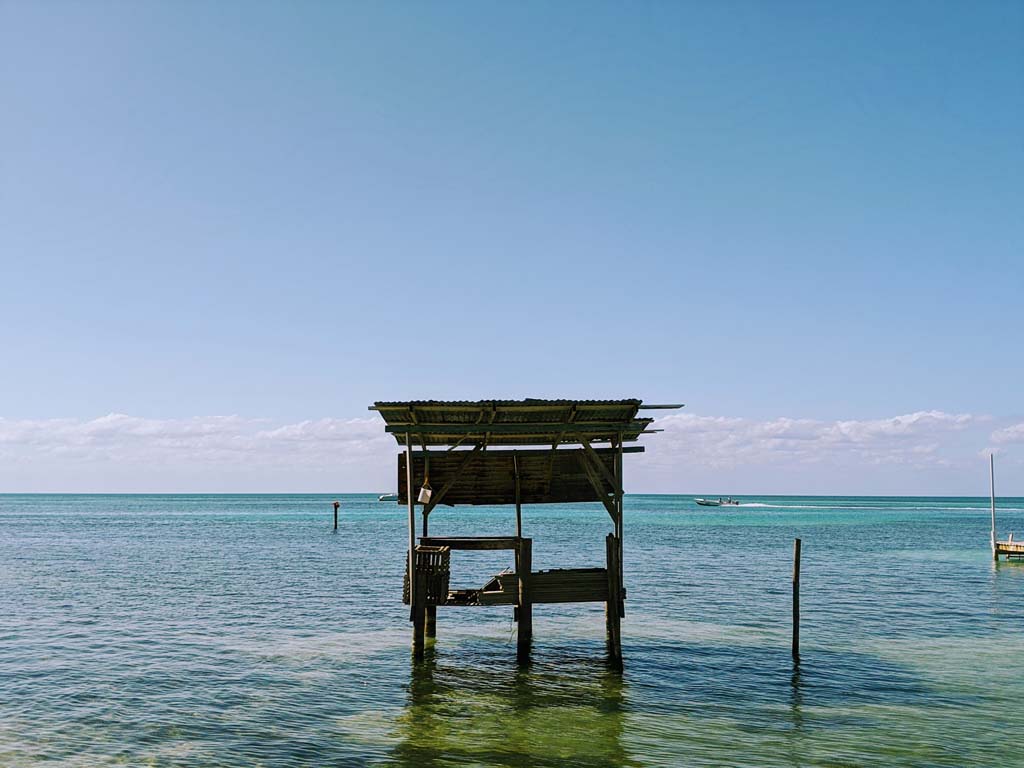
239	630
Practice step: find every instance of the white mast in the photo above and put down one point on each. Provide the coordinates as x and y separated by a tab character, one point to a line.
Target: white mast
992	484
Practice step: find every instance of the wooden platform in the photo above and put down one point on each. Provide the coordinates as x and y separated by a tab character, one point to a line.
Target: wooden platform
1011	550
564	585
560	585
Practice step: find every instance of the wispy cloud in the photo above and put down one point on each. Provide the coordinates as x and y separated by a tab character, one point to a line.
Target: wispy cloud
720	441
224	438
1011	434
120	452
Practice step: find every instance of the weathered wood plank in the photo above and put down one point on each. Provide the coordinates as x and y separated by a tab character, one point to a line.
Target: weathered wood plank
472	542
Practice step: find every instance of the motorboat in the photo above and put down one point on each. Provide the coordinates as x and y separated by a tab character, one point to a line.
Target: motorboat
719	502
388	497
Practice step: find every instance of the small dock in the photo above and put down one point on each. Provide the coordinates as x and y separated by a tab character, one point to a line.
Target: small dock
1010	549
550	452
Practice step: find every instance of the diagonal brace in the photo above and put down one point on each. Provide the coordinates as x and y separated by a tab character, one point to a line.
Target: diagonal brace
439	496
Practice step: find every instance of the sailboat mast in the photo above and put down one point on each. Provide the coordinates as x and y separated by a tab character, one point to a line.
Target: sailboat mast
992	485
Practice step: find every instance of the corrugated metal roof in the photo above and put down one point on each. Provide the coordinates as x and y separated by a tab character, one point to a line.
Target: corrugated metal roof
529	401
531	421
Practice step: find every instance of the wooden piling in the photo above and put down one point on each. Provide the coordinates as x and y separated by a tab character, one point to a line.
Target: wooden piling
418	624
621	589
431	610
525	607
992	492
612	606
519	505
336	505
416	607
796	599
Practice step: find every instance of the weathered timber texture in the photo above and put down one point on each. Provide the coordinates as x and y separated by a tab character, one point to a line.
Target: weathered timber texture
489	477
570	585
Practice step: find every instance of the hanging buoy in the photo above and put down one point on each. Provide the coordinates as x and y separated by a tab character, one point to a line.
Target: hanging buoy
425	490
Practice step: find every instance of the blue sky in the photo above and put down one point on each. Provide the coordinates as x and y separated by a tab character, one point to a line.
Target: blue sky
282	212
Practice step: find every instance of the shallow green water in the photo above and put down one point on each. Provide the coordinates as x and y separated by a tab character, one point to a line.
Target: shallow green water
238	630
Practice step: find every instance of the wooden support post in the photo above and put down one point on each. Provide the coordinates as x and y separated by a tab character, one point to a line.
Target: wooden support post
418	625
611	609
525	607
431	621
336	505
519	506
416	613
992	491
796	600
619	528
431	610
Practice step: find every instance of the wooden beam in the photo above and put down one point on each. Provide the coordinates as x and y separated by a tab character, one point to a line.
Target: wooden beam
472	542
533	453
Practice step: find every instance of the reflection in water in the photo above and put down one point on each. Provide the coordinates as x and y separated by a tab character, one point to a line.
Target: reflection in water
489	711
796	701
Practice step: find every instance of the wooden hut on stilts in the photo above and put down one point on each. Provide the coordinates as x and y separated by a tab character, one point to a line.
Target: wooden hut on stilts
501	452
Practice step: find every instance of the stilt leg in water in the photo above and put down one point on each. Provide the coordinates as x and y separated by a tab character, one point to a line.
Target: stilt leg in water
431	621
525	611
611	609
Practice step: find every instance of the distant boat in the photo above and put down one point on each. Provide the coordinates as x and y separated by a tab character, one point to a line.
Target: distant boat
719	502
388	497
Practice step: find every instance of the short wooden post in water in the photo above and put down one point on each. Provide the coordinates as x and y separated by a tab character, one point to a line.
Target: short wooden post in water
336	505
525	611
796	599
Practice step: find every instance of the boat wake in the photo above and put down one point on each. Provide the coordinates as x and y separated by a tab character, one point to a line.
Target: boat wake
895	507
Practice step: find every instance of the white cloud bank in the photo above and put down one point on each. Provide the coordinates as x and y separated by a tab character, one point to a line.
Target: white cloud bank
922	452
118	452
1008	435
720	441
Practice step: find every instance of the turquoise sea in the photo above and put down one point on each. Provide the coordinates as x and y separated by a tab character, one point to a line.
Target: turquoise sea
240	631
